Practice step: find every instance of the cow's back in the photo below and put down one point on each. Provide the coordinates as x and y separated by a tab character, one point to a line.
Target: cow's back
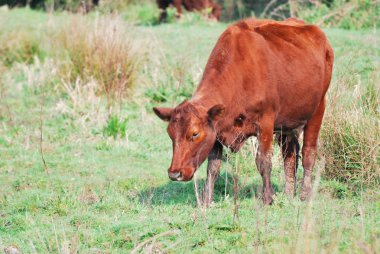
285	65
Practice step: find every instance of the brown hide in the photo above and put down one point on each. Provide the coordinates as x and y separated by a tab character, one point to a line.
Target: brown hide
190	5
262	77
260	66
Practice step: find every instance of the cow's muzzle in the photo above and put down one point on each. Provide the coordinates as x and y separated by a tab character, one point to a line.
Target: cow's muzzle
183	174
175	176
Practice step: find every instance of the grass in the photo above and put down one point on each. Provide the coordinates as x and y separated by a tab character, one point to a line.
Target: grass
100	50
106	190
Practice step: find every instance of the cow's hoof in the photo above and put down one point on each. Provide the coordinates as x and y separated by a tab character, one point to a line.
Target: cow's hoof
205	204
206	200
305	192
268	197
268	200
289	190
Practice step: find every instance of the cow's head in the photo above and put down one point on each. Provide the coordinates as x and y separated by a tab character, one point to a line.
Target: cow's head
193	136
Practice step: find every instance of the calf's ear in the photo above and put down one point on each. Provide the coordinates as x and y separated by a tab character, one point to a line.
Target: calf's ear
216	112
163	113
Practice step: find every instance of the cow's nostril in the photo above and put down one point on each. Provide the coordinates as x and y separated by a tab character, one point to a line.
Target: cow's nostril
175	175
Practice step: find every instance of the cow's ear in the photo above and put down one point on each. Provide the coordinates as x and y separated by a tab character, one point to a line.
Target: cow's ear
163	113
216	112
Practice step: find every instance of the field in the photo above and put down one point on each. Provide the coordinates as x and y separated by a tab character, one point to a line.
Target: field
83	168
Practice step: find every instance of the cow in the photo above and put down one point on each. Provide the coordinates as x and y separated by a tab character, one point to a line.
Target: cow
264	78
190	5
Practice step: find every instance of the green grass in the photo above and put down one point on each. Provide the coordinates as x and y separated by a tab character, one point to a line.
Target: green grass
102	194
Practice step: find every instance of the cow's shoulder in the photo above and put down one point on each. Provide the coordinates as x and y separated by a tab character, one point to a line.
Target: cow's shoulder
292	30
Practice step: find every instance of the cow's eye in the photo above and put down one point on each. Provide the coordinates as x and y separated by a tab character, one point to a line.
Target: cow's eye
195	135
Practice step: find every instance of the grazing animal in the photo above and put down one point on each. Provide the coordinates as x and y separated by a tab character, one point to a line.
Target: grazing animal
262	78
190	5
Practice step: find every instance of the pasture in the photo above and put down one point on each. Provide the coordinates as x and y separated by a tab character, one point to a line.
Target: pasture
83	166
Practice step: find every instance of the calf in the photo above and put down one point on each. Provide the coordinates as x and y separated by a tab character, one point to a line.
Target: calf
263	78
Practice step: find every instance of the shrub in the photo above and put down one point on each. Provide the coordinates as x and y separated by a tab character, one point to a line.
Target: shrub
143	14
100	50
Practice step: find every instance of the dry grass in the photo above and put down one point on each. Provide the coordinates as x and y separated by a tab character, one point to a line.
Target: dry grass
84	106
19	46
100	50
351	130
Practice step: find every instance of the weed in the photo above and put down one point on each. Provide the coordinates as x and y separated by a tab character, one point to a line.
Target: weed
115	127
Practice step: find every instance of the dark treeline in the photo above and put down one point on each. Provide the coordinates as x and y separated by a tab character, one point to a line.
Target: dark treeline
70	5
346	14
232	9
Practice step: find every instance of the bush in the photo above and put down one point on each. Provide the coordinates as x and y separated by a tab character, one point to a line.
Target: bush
100	50
143	14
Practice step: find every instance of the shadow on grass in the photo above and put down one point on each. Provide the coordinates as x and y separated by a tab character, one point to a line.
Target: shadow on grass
173	193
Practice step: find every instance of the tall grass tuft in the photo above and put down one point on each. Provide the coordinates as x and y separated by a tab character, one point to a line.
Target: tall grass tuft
19	46
100	50
351	132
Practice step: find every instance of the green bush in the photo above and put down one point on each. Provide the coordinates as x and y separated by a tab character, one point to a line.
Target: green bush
143	14
353	14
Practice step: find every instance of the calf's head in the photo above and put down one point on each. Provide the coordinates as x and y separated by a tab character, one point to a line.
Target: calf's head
192	133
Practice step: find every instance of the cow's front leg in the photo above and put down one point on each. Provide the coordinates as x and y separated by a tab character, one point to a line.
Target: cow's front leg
264	156
177	4
213	169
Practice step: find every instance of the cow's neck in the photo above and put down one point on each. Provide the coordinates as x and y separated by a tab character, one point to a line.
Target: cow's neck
215	90
206	100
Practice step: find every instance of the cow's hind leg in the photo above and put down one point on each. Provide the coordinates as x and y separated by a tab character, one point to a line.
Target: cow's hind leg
309	149
264	156
290	154
213	169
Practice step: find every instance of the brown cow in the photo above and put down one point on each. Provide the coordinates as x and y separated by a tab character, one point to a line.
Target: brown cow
263	77
190	5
